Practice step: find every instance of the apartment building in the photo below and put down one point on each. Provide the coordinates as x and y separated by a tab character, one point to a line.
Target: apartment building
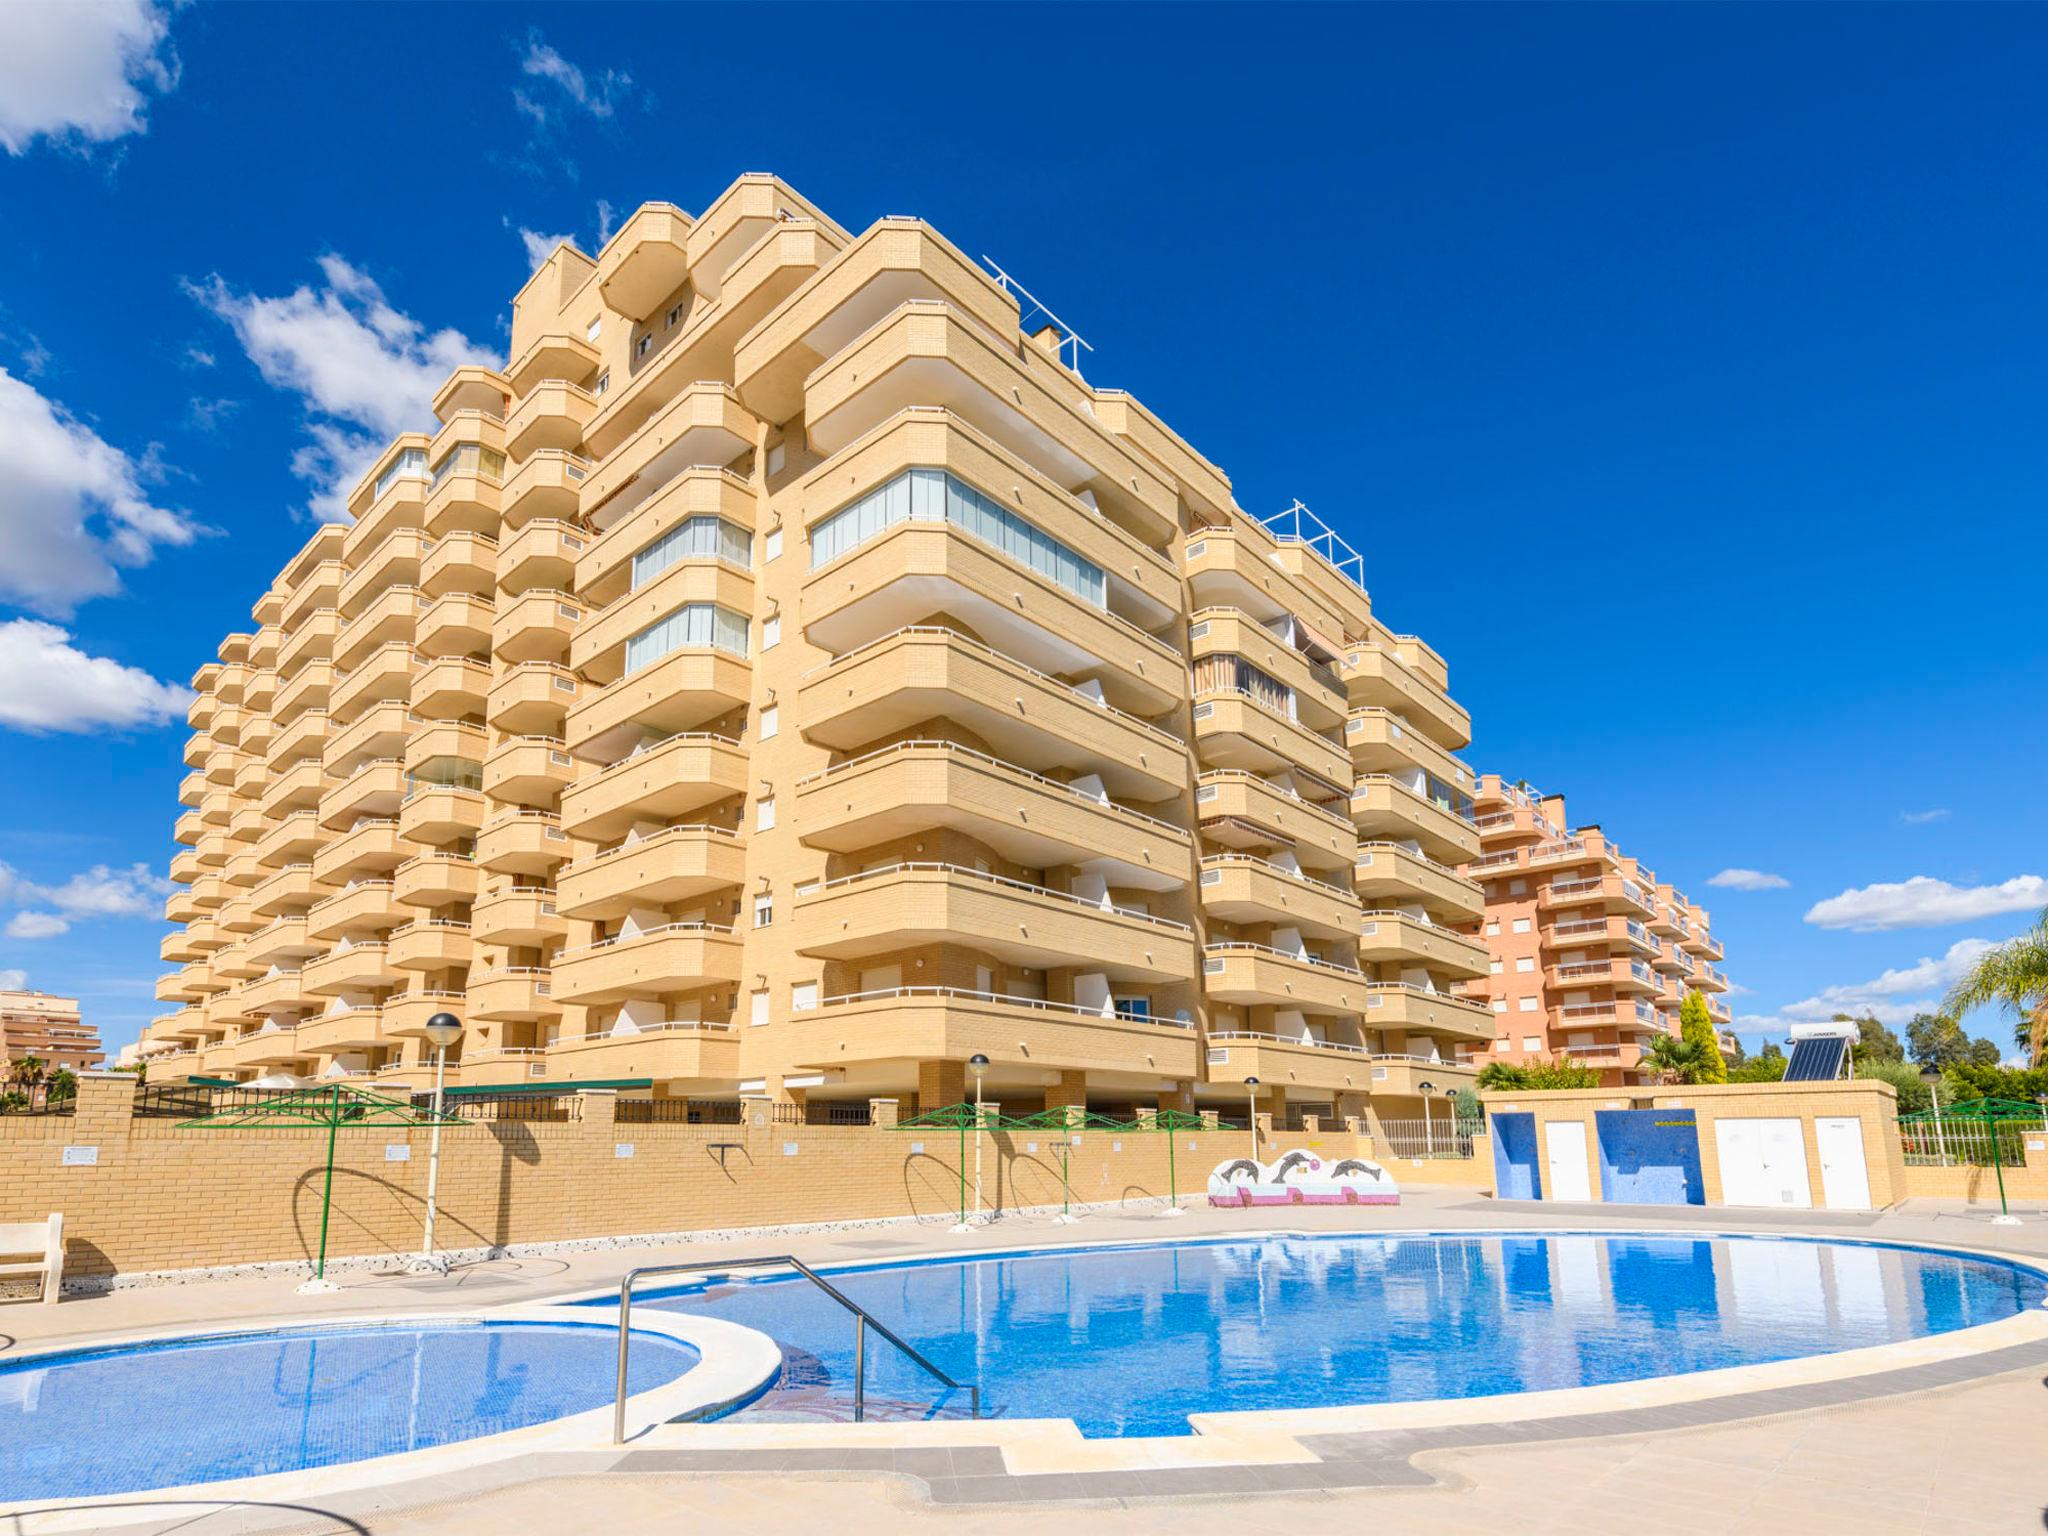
789	678
48	1028
1590	955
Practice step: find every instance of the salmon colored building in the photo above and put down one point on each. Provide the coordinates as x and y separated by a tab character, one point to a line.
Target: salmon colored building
788	678
48	1028
1590	955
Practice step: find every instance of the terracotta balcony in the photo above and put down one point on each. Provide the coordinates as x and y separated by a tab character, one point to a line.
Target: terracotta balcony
1026	817
522	843
436	880
660	870
598	647
364	967
706	1055
898	907
1243	811
1612	893
1240	889
366	907
1594	932
430	945
604	571
458	624
533	699
540	625
1257	975
543	554
441	813
681	957
906	574
366	849
1314	1065
1376	677
1391	875
511	995
1399	1006
450	688
1624	976
528	770
664	783
703	426
913	1024
515	914
460	562
1235	729
1393	938
1021	715
1386	810
680	692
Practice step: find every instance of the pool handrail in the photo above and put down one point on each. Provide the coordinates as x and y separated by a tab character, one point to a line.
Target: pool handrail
862	1321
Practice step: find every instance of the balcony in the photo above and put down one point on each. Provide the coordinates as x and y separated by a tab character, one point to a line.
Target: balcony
515	914
441	813
646	261
430	945
283	942
385	674
1023	716
706	1055
1235	729
522	843
528	770
904	905
1396	939
234	964
663	869
657	962
444	748
341	1029
1233	566
915	1024
460	562
553	355
367	849
1592	932
289	892
304	740
1025	817
397	499
701	429
1381	742
458	624
319	588
909	573
1629	976
1387	810
933	355
598	651
293	840
1418	1010
406	1013
395	563
350	968
388	619
1258	975
541	554
545	485
535	626
682	691
1239	889
270	1046
1242	811
511	995
680	775
604	572
1397	1076
553	414
374	790
1614	893
533	699
435	880
1375	677
1318	694
450	688
1315	1066
1391	875
366	907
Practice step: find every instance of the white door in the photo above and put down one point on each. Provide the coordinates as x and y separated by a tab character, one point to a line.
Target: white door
1763	1162
1844	1179
1564	1155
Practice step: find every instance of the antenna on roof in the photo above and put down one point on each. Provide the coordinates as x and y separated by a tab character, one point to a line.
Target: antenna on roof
1068	335
1298	525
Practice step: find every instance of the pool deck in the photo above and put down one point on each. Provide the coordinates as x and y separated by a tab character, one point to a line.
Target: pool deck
1930	1439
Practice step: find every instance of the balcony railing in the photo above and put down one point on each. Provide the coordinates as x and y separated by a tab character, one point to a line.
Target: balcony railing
963	872
1006	999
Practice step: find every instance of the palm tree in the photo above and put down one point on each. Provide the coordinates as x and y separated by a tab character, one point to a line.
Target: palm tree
1674	1059
28	1071
2015	976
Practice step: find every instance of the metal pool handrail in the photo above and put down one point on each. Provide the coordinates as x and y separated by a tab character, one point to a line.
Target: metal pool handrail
862	1321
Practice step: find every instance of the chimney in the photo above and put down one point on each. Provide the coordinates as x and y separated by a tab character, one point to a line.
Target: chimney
1047	339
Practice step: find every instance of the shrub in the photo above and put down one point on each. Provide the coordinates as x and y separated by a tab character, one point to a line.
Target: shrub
1913	1094
1536	1076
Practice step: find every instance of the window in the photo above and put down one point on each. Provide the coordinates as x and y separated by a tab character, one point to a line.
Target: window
1493	928
764	814
771	721
604	382
771	546
933	496
675	313
411	464
777	457
1521	925
692	626
764	910
1525	964
695	538
595	329
640	347
1525	1005
803	996
1500	1005
757	1010
1495	967
1134	1007
1518	887
771	632
1532	1042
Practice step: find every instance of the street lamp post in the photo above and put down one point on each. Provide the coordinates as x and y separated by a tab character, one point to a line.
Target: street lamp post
1428	1124
978	1065
443	1030
1251	1116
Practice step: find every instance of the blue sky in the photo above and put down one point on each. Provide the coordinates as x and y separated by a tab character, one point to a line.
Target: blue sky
1678	371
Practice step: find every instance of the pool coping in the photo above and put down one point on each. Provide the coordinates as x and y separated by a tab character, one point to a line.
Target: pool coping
734	1364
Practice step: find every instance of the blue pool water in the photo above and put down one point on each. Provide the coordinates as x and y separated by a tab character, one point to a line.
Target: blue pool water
1129	1341
202	1409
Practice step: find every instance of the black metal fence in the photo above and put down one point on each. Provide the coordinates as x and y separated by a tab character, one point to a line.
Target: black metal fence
679	1112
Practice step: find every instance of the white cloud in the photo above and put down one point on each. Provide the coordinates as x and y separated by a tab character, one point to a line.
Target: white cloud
1922	818
36	925
48	684
72	506
15	980
103	891
560	85
364	370
1924	902
1749	880
80	73
540	247
1895	995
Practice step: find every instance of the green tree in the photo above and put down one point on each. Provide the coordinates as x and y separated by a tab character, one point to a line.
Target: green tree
1677	1059
1537	1075
26	1072
1465	1104
1696	1028
1964	1081
1912	1089
1772	1051
1874	1040
63	1085
2012	976
1937	1040
1766	1068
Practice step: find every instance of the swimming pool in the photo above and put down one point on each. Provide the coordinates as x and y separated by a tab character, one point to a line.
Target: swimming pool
1130	1340
206	1408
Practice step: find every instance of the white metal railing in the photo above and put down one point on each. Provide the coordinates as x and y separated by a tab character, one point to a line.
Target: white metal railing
1350	973
963	872
1303	1041
1435	1136
717	930
954	749
1279	871
681	832
1006	999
